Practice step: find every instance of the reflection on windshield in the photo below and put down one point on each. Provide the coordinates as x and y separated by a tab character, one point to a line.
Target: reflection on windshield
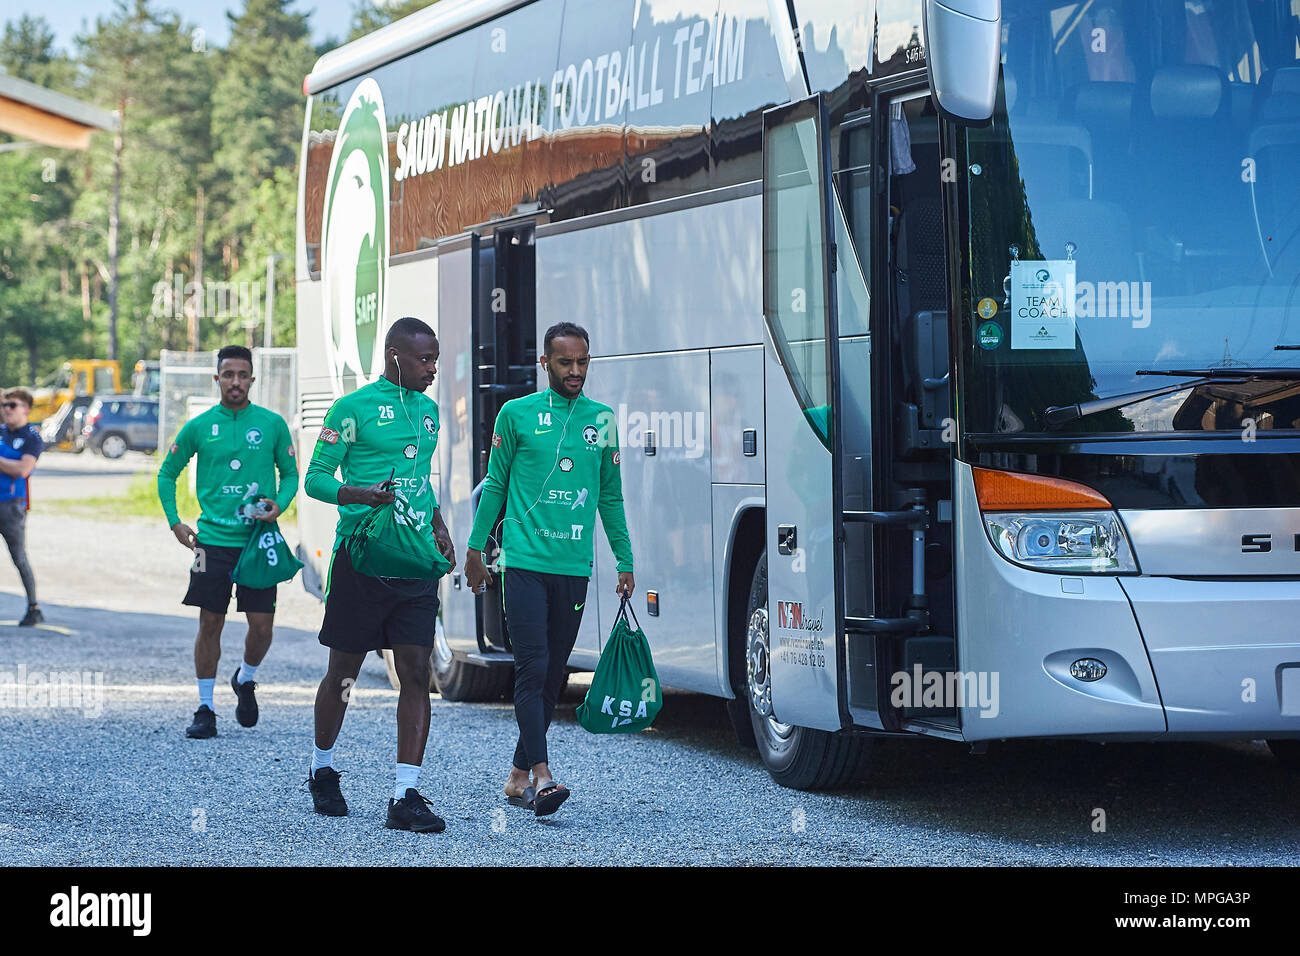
1133	205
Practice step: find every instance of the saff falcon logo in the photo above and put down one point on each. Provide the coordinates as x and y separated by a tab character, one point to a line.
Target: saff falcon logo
429	426
253	436
589	434
354	248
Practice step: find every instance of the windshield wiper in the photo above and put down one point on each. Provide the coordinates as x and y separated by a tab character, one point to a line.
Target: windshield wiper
1236	373
1058	415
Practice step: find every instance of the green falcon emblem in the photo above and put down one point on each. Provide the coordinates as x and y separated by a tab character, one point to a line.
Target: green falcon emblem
354	246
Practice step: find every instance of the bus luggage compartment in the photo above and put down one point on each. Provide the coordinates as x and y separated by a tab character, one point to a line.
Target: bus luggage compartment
1226	653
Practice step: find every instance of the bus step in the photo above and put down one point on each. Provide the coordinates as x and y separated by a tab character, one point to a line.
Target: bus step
884	625
490	658
917	518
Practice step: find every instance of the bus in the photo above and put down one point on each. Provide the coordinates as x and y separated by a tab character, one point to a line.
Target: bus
952	345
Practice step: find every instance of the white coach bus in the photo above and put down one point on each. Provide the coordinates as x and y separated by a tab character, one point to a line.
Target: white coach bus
948	342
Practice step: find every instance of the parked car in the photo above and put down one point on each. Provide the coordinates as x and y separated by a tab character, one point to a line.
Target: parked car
120	423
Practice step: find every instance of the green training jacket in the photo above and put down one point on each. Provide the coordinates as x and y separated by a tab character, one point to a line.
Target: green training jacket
240	453
555	464
368	434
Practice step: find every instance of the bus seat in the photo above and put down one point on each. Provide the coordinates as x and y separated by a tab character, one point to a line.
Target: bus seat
1102	233
1282	81
1105	110
1274	145
1185	137
1055	157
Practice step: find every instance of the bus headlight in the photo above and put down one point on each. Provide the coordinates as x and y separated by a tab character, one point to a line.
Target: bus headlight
1084	543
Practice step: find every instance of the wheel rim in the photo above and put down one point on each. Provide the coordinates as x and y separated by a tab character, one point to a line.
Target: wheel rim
441	650
113	446
758	672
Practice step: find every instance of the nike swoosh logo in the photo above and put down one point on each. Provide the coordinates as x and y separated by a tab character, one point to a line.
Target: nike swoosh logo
389	422
542	431
579	607
214	438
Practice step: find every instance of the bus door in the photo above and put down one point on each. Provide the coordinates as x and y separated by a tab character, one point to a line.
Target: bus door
486	319
805	653
505	367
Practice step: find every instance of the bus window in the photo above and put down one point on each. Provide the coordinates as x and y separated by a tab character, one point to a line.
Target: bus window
836	37
898	36
587	136
1114	119
667	141
737	138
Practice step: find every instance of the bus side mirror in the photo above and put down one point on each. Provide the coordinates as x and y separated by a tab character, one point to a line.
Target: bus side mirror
963	42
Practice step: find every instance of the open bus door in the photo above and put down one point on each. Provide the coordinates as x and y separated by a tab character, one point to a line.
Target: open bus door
796	656
804	559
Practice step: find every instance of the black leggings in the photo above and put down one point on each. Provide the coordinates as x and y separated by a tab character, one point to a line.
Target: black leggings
543	612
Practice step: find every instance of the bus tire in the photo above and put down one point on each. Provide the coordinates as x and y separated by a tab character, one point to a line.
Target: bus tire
387	656
462	681
797	757
1287	752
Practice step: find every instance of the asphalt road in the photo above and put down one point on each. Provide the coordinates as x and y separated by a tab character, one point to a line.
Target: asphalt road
117	782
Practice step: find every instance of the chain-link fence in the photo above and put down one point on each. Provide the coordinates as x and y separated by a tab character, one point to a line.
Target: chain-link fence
187	386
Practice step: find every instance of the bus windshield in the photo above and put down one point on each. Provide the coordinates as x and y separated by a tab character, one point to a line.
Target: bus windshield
1135	205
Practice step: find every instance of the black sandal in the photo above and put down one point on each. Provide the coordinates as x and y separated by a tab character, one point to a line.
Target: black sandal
525	801
548	799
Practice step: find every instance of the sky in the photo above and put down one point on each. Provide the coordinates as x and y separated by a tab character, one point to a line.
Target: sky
329	18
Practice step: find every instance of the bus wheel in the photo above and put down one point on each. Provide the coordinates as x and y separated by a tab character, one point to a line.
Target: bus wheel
462	681
797	757
1287	752
389	666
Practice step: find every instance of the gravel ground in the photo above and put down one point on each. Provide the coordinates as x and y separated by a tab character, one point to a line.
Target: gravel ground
126	787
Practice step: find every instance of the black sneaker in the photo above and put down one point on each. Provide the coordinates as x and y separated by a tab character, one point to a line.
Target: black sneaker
205	724
412	813
32	617
246	709
325	793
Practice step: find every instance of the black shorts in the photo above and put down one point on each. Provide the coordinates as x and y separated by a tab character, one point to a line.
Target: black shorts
210	583
366	614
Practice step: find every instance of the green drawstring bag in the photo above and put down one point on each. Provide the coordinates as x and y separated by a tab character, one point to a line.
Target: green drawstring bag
395	541
624	696
266	559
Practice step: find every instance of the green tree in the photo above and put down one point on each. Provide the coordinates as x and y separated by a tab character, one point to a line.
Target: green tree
144	64
257	115
367	17
27	51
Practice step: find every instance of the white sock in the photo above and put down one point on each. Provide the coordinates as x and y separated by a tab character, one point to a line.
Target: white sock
407	775
247	672
321	758
205	691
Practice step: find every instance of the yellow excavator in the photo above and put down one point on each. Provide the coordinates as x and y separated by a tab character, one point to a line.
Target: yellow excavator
73	378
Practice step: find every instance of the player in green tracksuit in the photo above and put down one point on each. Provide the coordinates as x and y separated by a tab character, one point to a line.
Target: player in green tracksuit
241	447
388	428
554	465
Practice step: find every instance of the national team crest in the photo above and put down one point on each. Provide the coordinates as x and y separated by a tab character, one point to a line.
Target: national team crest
253	436
429	426
354	248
